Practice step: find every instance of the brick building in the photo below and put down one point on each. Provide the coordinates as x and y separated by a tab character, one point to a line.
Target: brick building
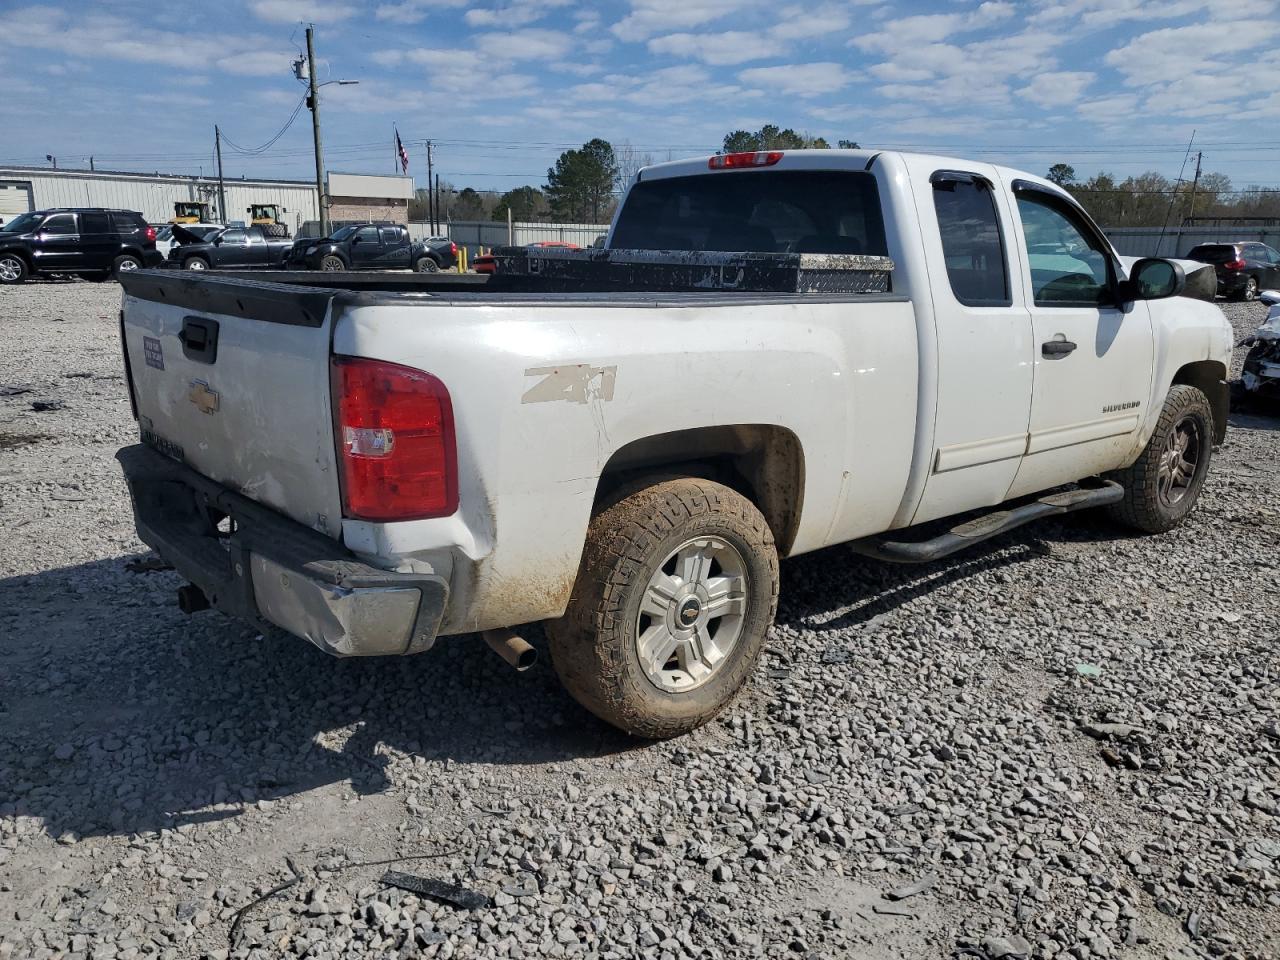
358	196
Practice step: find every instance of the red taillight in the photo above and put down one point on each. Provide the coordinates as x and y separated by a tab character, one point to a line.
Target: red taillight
151	234
733	161
453	248
396	448
1234	265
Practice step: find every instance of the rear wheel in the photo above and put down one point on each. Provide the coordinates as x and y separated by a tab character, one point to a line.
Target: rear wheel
1163	484
1250	291
676	592
426	265
195	263
13	269
124	263
332	263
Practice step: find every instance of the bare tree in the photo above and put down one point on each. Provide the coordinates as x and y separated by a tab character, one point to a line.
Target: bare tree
630	162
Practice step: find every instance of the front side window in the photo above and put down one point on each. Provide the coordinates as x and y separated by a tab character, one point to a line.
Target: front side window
60	223
972	243
367	235
234	237
1070	267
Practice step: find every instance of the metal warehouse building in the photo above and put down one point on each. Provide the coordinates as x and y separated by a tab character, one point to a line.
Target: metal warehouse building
355	196
151	194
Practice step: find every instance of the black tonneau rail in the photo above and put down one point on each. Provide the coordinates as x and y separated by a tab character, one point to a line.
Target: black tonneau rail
302	298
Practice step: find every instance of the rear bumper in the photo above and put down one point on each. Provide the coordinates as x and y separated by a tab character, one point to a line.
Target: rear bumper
273	570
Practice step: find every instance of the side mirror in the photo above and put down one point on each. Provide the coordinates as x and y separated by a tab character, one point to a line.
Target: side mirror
1270	297
1153	278
355	240
217	241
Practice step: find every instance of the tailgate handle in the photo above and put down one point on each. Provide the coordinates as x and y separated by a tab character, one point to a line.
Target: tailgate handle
199	339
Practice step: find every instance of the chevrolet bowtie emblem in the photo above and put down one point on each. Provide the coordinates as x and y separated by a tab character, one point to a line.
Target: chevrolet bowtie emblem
206	400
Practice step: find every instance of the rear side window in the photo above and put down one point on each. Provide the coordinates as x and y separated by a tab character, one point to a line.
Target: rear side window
59	223
775	211
390	236
972	243
128	222
94	223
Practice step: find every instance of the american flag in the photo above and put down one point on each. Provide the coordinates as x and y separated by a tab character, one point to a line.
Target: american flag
404	154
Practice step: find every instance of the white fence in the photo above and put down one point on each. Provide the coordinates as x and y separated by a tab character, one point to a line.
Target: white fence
490	233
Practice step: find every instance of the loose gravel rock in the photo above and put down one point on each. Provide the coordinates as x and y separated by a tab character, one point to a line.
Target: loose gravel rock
1061	744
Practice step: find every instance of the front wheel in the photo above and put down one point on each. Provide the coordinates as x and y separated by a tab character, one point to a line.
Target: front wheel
195	263
426	265
1163	484
13	269
677	589
332	264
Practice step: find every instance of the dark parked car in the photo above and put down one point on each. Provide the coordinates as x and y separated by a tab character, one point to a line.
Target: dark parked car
1243	268
241	248
372	246
92	242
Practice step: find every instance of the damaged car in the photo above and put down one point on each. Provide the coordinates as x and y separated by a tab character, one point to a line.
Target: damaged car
1261	375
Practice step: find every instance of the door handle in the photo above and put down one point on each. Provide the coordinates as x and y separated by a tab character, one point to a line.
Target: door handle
1056	348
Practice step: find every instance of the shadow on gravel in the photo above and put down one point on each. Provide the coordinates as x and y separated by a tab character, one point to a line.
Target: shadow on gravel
118	714
835	587
1255	415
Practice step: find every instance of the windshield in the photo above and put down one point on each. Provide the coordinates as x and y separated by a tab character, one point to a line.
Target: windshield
776	211
342	233
22	224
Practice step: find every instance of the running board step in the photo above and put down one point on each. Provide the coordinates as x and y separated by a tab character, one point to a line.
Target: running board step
990	525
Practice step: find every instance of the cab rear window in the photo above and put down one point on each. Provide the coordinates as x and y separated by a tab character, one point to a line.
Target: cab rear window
774	211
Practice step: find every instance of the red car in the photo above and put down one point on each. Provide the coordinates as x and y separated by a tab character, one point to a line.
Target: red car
485	263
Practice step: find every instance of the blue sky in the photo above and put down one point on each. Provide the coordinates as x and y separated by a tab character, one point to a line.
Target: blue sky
503	87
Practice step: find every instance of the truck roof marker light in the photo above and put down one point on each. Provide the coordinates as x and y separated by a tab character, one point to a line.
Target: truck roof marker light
738	161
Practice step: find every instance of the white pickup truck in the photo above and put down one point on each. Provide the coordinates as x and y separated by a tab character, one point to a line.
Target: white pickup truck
372	468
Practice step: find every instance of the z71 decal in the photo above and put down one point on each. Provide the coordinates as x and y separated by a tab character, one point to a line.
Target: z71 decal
571	382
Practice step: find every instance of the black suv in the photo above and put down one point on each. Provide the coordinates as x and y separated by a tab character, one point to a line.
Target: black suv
92	242
1243	268
372	246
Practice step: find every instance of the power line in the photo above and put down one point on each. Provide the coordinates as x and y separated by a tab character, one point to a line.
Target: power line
255	151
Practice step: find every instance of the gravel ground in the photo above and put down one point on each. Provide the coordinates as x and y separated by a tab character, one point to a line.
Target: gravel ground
1061	744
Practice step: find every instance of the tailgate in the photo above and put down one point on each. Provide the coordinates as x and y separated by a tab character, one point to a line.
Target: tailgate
231	377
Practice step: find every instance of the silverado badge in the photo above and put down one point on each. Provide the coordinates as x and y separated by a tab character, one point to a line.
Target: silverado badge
205	399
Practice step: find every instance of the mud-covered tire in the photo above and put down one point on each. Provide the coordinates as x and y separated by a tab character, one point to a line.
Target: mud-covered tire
1159	490
332	264
594	646
426	265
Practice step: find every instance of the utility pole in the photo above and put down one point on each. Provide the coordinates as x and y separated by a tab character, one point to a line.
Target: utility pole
313	101
441	213
1195	183
222	193
91	166
431	193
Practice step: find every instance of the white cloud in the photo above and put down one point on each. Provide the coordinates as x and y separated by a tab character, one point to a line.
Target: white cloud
529	44
1057	88
257	63
797	79
906	33
512	14
648	17
296	11
1117	108
718	49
